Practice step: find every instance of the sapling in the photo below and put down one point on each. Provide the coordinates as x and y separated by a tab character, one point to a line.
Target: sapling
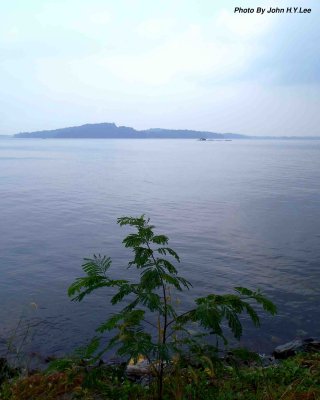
149	324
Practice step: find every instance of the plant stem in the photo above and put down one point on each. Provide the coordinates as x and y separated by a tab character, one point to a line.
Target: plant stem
165	325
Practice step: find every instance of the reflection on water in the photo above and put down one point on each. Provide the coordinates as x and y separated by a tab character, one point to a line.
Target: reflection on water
238	213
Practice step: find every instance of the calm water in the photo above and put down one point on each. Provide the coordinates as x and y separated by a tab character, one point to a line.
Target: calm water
238	213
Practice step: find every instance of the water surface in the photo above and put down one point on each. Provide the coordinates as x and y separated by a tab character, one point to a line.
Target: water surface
238	213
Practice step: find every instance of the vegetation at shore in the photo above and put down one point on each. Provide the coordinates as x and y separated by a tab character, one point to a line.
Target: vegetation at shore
180	350
297	378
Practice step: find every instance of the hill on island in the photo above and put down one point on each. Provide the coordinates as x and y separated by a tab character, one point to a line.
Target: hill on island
112	131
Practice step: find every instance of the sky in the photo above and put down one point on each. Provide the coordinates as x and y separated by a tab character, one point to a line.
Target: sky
179	64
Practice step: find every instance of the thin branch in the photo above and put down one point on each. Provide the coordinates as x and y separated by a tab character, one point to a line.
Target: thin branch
179	316
150	323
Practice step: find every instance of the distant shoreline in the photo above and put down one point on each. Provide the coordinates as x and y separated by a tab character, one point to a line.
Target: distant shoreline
250	138
112	131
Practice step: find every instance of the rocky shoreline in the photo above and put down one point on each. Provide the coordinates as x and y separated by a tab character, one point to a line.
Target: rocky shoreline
141	369
293	369
137	371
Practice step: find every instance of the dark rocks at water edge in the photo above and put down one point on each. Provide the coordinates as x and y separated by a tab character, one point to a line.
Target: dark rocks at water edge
296	346
142	371
139	371
112	131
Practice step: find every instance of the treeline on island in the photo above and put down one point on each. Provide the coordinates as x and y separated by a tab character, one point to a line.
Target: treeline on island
108	130
112	131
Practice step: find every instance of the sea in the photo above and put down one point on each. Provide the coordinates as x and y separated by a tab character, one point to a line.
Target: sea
238	213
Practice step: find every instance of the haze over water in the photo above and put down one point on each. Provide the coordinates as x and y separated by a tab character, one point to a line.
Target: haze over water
238	213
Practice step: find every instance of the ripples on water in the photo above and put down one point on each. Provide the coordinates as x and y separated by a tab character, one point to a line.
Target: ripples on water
238	213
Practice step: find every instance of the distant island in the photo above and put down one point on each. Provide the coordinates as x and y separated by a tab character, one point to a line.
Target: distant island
112	131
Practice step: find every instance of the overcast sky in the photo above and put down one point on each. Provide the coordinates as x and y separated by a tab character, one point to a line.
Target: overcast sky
160	64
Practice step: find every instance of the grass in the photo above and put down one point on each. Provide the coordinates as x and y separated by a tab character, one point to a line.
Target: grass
297	378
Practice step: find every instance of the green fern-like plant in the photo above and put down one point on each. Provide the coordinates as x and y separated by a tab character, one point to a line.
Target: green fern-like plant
149	324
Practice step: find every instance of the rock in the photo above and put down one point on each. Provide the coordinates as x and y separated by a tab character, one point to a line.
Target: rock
142	371
311	345
136	371
288	349
296	346
267	361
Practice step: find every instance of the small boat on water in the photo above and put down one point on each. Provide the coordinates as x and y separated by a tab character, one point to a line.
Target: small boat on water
202	139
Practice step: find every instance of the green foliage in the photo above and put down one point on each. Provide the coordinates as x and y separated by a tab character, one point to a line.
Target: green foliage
292	379
151	296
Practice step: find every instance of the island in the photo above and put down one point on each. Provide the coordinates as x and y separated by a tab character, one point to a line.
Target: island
112	131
